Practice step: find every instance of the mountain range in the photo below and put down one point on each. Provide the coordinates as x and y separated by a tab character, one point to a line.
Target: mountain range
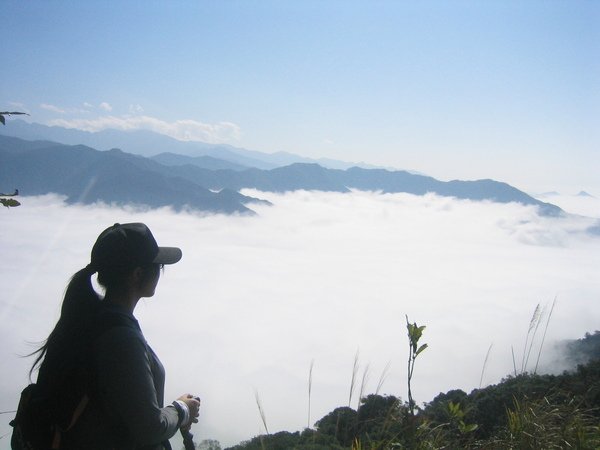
85	175
205	182
148	143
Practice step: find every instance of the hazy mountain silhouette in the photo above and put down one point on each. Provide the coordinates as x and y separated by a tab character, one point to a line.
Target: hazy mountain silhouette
205	162
148	143
584	194
314	177
88	175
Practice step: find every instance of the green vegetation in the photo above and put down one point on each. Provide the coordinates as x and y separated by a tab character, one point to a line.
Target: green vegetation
527	412
414	335
9	202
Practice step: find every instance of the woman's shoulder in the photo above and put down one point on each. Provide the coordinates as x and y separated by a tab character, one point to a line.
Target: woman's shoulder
122	343
110	316
113	323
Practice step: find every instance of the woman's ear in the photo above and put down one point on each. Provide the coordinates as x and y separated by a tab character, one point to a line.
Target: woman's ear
137	275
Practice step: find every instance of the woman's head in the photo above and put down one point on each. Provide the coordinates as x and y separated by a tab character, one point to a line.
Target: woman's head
130	245
128	260
128	253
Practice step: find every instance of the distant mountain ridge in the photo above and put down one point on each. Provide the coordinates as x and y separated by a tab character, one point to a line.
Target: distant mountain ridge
314	177
87	175
149	143
585	194
204	161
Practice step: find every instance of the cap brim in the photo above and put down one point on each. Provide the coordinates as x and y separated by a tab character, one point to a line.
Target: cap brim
167	255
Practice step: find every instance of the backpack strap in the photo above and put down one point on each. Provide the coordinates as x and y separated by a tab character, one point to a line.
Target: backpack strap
76	415
78	411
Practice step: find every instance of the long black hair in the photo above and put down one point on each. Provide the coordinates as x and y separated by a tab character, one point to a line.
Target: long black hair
80	305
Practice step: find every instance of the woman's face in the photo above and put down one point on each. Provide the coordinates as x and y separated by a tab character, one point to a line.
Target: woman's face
149	280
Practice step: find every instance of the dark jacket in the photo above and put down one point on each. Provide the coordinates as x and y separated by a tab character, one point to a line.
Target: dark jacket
126	409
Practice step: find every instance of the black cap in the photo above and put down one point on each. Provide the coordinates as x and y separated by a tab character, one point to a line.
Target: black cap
130	245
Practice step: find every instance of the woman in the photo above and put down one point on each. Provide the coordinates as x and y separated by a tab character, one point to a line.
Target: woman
105	383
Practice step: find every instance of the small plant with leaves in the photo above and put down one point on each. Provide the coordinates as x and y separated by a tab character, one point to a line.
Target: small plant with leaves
415	333
457	418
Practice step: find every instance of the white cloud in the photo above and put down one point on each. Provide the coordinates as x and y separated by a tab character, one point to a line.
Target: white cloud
135	109
19	105
575	204
52	108
105	106
61	110
316	276
88	105
184	130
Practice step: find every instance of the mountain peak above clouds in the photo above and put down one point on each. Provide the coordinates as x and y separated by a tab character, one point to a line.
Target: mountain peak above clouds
584	194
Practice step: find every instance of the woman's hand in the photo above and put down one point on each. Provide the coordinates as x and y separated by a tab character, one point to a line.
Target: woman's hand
193	404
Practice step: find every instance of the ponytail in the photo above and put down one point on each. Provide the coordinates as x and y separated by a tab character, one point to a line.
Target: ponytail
79	305
80	299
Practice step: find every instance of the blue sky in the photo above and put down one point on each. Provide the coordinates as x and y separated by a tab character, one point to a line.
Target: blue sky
504	90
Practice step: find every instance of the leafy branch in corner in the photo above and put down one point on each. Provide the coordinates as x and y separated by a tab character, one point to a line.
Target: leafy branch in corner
9	113
9	202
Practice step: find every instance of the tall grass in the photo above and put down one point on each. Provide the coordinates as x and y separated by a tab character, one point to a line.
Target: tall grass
310	373
355	367
382	377
487	355
538	423
261	411
533	323
548	424
363	385
544	335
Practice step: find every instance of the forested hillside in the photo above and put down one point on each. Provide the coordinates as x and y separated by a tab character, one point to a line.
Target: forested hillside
526	411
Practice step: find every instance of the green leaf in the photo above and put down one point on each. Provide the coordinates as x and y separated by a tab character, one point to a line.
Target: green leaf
421	348
470	428
8	202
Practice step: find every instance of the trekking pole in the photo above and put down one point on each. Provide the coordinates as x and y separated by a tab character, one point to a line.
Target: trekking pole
188	440
188	437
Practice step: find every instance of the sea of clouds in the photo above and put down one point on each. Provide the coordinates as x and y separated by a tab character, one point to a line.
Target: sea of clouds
315	277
